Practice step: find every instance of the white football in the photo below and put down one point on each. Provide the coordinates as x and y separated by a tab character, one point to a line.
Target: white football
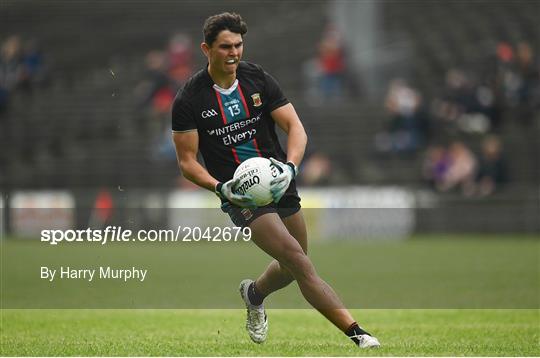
255	175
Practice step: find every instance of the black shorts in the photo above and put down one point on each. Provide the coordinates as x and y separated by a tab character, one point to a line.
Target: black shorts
287	206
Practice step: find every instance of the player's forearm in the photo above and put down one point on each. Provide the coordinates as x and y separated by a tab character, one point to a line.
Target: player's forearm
296	144
196	173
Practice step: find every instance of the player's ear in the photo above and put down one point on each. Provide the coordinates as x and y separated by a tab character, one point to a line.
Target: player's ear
205	48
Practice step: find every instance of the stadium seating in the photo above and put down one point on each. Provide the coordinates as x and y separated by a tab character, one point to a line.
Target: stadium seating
85	129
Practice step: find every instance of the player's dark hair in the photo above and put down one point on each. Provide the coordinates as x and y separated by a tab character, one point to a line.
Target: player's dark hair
224	21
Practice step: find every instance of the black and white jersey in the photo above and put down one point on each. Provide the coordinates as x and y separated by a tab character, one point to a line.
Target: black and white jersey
233	124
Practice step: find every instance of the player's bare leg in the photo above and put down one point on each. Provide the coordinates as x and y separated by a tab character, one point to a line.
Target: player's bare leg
272	236
276	276
272	279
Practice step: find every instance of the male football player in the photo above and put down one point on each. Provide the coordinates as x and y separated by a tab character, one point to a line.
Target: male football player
228	111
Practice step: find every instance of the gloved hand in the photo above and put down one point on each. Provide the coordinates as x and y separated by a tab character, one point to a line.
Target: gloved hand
279	185
225	191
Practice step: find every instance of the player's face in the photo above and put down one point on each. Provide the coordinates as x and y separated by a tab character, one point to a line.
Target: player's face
226	52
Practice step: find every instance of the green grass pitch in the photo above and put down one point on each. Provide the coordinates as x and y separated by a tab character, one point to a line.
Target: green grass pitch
429	296
292	333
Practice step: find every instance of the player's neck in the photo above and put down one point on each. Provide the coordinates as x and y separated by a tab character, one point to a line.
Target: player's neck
222	80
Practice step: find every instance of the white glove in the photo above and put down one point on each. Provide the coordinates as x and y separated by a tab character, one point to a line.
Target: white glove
225	191
280	184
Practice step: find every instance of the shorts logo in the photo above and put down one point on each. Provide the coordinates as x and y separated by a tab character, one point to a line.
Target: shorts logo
247	214
256	97
209	113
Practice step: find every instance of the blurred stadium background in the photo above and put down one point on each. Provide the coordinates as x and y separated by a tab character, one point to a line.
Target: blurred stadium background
429	106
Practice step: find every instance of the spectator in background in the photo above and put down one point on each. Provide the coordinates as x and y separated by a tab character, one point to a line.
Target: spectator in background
102	211
458	98
507	78
528	92
166	72
155	89
405	132
34	69
162	147
155	77
11	66
20	68
435	166
486	114
492	172
518	81
467	104
331	63
461	170
156	95
180	56
10	69
316	170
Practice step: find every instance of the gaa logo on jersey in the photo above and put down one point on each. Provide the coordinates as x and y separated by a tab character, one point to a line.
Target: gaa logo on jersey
256	97
209	113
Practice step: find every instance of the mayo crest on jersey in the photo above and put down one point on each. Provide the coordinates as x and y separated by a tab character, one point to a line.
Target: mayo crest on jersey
233	124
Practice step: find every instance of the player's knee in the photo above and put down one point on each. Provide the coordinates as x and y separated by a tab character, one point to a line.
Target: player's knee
285	274
283	270
304	248
296	261
303	244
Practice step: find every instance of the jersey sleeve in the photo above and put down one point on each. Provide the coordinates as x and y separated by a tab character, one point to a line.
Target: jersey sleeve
274	96
183	116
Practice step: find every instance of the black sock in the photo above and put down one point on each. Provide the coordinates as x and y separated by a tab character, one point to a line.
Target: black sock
254	295
354	331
